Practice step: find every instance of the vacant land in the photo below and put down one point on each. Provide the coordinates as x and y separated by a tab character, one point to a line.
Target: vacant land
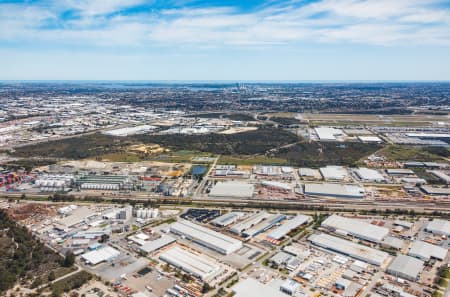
317	154
407	153
22	257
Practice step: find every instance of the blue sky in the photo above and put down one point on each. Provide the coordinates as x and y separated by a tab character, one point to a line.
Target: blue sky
225	40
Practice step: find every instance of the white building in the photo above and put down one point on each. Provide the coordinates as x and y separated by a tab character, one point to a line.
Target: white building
101	255
440	227
333	172
197	265
206	237
369	175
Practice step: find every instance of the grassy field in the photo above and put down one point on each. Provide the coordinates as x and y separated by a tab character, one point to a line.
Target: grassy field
405	153
251	160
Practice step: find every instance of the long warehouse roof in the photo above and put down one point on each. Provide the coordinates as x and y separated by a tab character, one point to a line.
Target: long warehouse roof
346	247
357	228
206	236
284	229
198	265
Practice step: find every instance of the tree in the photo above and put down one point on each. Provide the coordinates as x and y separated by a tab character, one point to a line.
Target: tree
69	260
51	276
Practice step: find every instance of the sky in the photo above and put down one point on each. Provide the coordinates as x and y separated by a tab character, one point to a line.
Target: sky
233	40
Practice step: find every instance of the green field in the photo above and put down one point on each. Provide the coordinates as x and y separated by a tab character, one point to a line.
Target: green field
407	153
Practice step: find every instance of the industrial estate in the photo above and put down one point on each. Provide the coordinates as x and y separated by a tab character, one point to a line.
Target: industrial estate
120	192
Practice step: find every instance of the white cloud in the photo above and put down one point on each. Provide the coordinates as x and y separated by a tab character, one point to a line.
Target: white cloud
380	22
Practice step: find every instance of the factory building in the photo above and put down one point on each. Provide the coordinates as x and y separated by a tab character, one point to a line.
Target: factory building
227	219
206	237
197	265
334	190
356	228
277	186
150	247
290	225
249	222
438	191
328	133
369	175
264	225
333	172
441	175
349	248
103	182
439	227
250	287
103	254
425	251
406	267
232	189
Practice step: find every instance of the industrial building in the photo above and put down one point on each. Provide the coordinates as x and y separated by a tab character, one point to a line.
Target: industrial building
76	217
232	189
349	248
199	266
291	224
356	228
406	267
206	237
150	247
328	133
249	222
333	172
438	191
309	173
369	175
103	182
425	251
439	227
334	190
103	254
278	186
370	139
122	132
227	219
399	171
441	175
250	287
263	226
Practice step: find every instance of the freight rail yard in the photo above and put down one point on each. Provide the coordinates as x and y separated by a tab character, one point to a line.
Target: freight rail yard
142	250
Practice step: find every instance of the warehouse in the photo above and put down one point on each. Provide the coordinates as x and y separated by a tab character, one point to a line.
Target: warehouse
441	175
349	248
334	190
232	189
206	237
250	287
249	222
436	190
130	130
333	172
328	133
370	139
150	247
439	227
399	171
425	251
77	216
103	254
197	265
227	219
264	225
278	186
369	175
309	173
292	224
356	228
406	267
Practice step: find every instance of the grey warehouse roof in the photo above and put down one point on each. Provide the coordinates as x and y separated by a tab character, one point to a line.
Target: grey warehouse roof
439	227
357	228
284	229
346	247
334	190
232	189
406	267
425	251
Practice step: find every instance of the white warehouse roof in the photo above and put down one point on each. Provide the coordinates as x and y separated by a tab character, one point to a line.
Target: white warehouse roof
278	185
426	251
206	237
333	172
104	254
232	189
284	229
437	226
349	248
334	190
367	174
253	288
249	222
405	267
154	245
197	265
328	133
356	228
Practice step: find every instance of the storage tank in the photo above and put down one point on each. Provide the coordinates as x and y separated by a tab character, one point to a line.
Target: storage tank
155	213
139	213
